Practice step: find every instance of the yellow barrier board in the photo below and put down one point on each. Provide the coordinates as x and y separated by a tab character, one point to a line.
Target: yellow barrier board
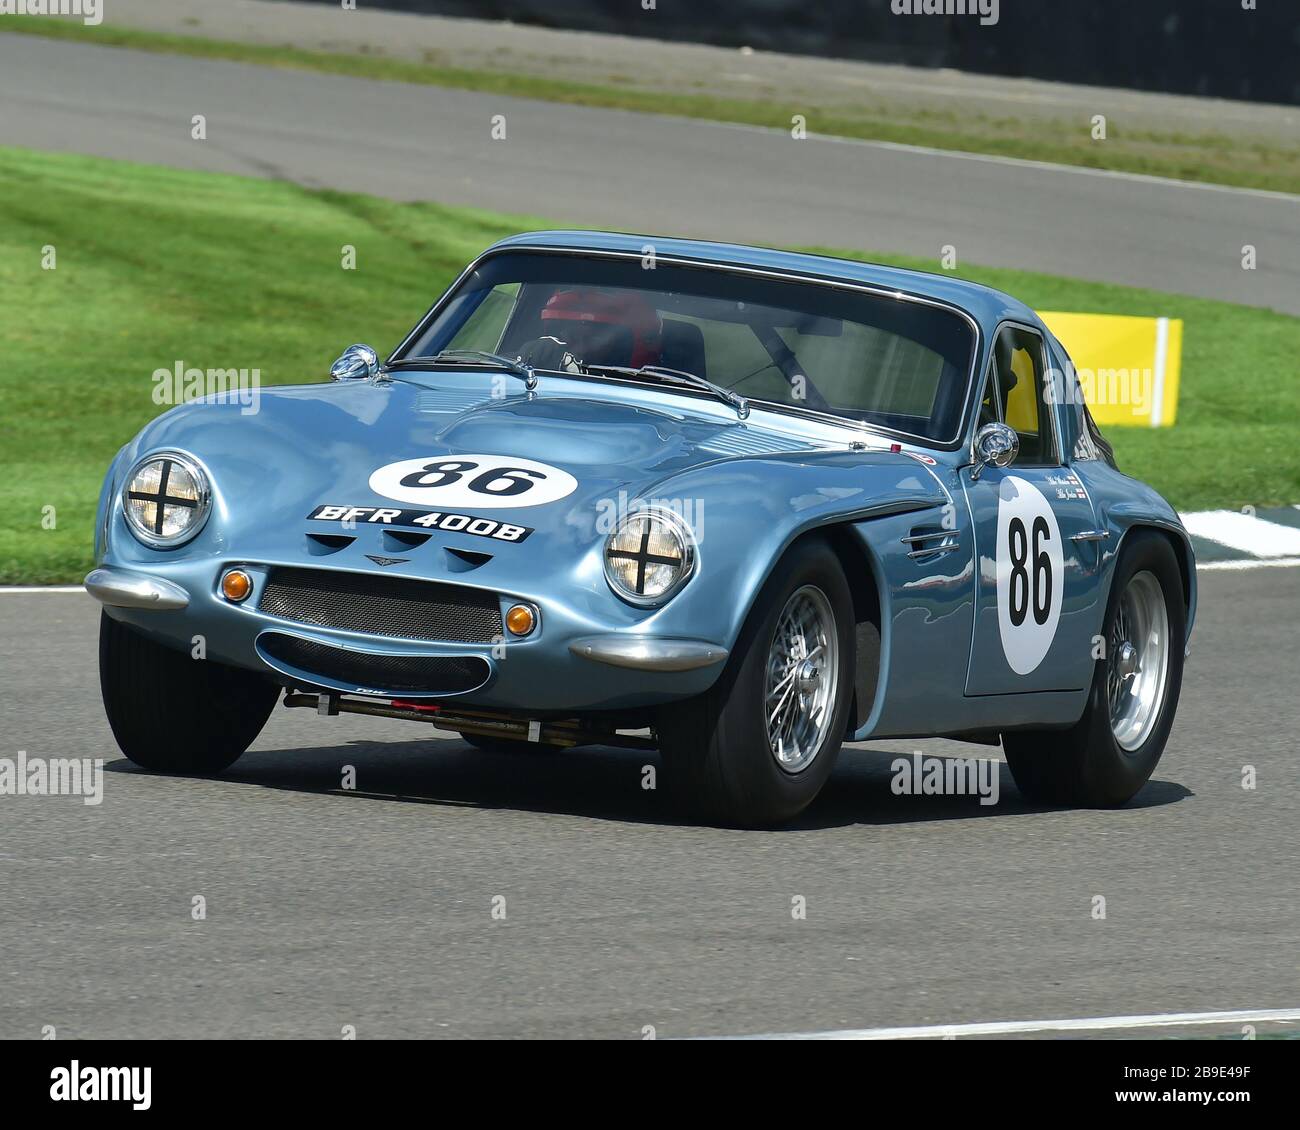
1128	367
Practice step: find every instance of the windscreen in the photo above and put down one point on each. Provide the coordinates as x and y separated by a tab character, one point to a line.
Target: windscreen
878	359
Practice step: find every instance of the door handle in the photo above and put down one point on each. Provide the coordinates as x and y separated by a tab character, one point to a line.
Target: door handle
1092	535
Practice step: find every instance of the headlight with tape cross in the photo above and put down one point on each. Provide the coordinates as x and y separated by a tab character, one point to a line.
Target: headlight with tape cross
649	556
166	499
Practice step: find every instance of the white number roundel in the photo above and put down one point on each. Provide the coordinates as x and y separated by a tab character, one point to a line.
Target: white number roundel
1030	574
475	481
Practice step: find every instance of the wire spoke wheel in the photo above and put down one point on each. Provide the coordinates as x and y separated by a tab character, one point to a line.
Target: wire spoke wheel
757	747
1137	669
803	669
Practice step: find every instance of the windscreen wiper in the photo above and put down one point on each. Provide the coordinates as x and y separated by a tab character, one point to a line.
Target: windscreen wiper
681	376
511	365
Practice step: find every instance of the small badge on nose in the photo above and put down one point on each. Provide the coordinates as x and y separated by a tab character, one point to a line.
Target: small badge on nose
386	560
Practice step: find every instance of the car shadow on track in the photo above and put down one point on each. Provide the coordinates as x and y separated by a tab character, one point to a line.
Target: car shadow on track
601	783
861	792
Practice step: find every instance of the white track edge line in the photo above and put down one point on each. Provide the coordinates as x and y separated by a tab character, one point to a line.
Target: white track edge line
1247	533
1242	564
20	590
1012	1027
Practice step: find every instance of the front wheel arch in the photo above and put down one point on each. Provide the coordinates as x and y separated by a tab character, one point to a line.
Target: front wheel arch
864	578
1182	554
864	585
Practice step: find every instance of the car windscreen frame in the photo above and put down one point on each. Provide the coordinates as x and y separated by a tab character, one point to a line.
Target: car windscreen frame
961	395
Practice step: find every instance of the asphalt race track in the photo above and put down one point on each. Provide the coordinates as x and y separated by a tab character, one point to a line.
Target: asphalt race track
641	172
373	907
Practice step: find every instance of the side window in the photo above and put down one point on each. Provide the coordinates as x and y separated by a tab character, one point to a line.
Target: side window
1018	369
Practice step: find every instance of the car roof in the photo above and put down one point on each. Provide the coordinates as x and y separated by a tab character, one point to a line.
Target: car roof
986	305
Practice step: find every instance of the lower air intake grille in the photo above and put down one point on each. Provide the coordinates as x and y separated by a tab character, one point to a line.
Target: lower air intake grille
382	606
441	674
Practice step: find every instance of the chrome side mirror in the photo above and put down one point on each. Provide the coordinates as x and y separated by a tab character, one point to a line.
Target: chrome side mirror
356	363
996	445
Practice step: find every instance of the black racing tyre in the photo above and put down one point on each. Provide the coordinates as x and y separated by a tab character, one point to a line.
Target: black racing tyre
175	714
757	747
1104	759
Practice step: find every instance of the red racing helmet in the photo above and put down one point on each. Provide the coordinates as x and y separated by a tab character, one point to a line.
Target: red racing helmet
622	328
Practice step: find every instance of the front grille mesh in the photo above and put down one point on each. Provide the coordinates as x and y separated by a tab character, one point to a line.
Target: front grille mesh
442	674
383	606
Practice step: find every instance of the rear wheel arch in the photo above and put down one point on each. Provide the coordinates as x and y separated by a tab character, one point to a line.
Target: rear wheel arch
1088	764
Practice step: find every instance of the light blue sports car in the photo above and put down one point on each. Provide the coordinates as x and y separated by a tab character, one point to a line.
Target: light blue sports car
732	504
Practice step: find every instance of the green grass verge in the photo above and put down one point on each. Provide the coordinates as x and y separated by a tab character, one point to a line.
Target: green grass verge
156	265
1244	161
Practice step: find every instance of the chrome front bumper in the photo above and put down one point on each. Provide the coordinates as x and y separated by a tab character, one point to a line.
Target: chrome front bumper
121	588
124	588
649	653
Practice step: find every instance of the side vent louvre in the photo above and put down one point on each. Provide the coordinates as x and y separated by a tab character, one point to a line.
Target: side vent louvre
925	543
